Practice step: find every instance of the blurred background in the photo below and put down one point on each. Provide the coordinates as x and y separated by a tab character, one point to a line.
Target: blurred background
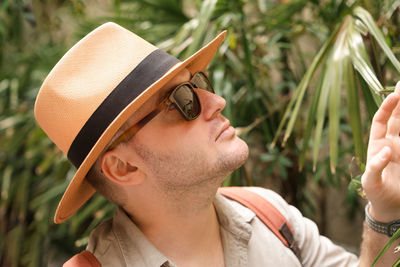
302	80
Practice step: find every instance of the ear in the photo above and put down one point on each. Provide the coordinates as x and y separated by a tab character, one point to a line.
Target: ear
116	166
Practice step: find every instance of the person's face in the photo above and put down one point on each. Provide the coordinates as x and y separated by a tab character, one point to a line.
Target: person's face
180	154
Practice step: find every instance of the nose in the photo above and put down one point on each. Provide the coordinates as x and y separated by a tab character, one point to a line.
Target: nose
211	104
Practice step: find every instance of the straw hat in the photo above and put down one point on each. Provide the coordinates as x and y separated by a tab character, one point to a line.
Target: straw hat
95	87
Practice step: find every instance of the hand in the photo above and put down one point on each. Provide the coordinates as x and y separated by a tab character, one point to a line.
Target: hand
381	180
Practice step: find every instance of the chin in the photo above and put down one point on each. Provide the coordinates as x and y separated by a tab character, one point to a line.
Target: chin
243	154
236	156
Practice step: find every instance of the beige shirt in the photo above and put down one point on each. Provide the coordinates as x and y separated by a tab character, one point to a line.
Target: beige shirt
246	240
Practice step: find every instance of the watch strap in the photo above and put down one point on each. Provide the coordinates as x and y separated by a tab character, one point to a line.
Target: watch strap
384	228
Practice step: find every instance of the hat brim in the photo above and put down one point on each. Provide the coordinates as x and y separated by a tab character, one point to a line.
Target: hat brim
79	190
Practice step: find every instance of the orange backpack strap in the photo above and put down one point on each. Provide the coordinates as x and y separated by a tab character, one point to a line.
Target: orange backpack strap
83	259
266	212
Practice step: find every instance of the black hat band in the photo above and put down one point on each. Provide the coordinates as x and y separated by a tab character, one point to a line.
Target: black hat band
149	70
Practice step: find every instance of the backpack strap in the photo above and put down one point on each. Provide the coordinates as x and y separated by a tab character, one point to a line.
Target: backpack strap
83	259
266	212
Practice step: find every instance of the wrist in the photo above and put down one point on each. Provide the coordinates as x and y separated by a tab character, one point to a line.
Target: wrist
384	227
384	215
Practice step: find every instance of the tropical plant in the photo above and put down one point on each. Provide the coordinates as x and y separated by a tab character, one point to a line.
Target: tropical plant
396	236
33	173
257	70
343	52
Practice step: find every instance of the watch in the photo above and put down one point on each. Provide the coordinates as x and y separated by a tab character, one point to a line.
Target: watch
384	228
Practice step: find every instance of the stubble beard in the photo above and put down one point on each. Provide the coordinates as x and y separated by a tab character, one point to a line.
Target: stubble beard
190	180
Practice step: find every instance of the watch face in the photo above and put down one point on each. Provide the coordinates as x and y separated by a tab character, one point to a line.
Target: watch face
393	227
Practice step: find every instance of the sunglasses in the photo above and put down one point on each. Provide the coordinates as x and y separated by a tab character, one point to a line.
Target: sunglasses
183	98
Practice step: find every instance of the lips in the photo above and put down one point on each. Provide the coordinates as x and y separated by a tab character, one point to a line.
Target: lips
223	127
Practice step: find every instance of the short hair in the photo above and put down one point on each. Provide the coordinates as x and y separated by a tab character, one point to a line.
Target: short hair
99	181
110	190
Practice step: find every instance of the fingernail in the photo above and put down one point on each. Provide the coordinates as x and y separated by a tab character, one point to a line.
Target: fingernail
384	154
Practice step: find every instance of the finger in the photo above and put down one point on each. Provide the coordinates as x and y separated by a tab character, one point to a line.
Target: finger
375	166
393	128
394	120
381	117
397	89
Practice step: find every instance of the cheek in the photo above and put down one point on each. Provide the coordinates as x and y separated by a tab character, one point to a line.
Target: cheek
168	153
178	139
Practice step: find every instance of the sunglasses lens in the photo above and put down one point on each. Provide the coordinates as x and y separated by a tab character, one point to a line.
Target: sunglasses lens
186	101
201	81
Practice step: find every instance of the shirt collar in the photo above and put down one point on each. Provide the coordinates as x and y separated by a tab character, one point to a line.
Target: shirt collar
234	220
133	242
235	228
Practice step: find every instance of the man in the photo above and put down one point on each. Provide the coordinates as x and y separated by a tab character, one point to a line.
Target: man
146	131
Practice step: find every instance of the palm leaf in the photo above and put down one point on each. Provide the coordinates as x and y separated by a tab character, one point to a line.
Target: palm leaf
370	102
353	106
395	237
310	119
300	91
340	53
203	19
362	64
321	110
369	22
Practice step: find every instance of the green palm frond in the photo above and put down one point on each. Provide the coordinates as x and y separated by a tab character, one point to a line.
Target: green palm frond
396	236
263	70
342	52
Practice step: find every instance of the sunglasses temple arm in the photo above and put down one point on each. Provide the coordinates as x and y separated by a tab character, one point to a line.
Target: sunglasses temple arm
128	134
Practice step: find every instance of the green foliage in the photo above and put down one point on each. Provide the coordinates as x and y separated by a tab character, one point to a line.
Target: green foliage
276	160
285	66
34	173
342	52
395	237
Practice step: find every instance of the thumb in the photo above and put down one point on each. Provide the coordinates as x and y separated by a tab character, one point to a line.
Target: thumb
376	165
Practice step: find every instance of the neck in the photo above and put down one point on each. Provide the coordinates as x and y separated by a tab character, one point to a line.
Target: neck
184	227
